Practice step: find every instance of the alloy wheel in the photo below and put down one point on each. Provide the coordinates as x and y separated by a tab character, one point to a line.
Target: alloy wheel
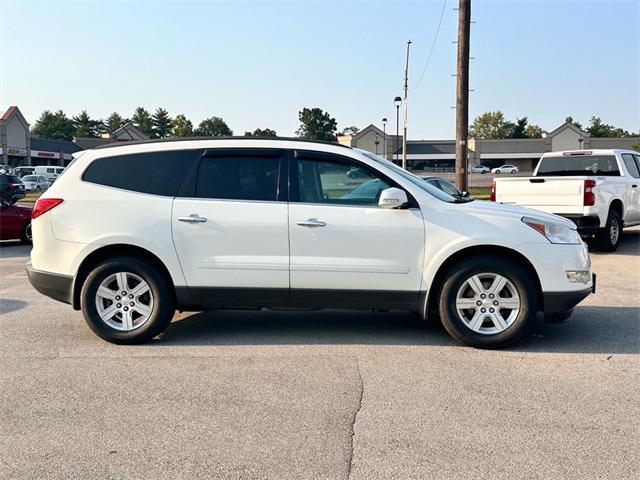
488	303
124	301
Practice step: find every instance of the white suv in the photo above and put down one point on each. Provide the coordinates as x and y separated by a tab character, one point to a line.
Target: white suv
130	233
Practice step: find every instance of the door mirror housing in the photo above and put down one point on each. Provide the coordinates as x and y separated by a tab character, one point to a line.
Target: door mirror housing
4	204
465	195
392	198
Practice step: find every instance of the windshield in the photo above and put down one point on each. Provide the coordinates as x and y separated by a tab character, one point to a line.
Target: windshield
417	181
30	178
605	165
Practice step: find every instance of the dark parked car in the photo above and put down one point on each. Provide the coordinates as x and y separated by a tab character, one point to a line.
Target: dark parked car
447	187
15	222
11	188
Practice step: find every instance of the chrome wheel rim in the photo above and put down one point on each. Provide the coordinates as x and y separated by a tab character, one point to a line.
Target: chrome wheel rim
614	231
488	303
124	301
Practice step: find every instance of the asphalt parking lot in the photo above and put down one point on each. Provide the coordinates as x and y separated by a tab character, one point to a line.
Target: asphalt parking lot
323	395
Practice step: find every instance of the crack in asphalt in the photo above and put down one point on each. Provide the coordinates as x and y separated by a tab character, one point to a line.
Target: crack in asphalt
355	417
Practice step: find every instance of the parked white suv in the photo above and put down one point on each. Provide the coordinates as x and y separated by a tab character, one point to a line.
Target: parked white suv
130	233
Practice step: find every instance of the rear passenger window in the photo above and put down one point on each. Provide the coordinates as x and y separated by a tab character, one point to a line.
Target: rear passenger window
157	173
238	177
631	165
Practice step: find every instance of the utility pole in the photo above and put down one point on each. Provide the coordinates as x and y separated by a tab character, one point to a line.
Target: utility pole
462	93
404	105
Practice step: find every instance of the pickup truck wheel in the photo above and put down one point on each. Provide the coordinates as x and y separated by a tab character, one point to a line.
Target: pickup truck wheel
488	302
126	301
608	238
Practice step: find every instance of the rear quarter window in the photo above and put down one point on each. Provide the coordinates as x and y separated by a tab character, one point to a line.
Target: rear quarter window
157	173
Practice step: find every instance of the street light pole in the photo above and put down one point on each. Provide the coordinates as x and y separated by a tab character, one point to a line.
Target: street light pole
397	101
384	138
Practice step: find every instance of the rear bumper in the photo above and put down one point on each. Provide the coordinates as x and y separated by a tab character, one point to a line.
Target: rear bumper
559	302
587	224
53	285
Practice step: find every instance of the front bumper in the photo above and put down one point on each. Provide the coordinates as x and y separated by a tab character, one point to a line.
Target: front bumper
560	302
53	285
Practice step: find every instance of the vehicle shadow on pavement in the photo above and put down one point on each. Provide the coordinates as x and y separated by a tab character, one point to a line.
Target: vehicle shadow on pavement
608	330
8	305
14	249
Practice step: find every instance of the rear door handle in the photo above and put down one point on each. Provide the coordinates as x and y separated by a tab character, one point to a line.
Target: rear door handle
312	222
193	218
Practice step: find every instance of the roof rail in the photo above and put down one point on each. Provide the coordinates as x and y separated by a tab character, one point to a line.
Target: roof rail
184	139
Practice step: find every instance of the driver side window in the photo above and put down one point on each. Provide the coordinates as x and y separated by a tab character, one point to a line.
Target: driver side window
332	181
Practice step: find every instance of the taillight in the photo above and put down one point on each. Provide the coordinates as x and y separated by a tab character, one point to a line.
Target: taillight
589	198
43	205
492	197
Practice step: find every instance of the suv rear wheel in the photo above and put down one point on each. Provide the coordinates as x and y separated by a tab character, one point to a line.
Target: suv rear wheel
125	300
488	302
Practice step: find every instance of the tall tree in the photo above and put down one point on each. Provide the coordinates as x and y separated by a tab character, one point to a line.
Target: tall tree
350	130
569	119
316	124
597	128
534	131
213	127
181	126
114	122
490	125
259	132
54	125
518	129
85	126
493	125
142	121
161	123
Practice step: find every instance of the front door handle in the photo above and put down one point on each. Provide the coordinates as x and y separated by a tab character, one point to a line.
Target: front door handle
193	218
312	222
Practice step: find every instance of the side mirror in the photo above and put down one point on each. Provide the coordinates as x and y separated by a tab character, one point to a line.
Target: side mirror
392	198
4	205
465	195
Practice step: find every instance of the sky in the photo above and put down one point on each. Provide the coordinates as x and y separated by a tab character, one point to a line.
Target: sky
256	64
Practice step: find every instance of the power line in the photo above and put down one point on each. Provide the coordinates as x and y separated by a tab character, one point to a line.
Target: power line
433	46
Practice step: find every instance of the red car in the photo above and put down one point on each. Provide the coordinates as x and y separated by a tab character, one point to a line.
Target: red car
15	222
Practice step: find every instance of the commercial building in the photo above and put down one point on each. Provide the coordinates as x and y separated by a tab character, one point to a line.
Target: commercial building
439	155
18	146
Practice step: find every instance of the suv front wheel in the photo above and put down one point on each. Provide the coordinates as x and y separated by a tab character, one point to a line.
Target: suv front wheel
125	300
488	302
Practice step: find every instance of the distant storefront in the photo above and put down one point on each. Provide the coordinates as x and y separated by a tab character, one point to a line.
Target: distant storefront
440	155
18	146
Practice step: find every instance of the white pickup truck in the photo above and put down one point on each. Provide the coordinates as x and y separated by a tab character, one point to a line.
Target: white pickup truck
599	190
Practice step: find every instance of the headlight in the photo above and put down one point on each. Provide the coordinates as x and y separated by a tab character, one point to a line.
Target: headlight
554	232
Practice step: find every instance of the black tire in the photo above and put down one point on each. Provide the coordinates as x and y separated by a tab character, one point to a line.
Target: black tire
163	301
507	268
25	235
605	237
38	188
513	172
